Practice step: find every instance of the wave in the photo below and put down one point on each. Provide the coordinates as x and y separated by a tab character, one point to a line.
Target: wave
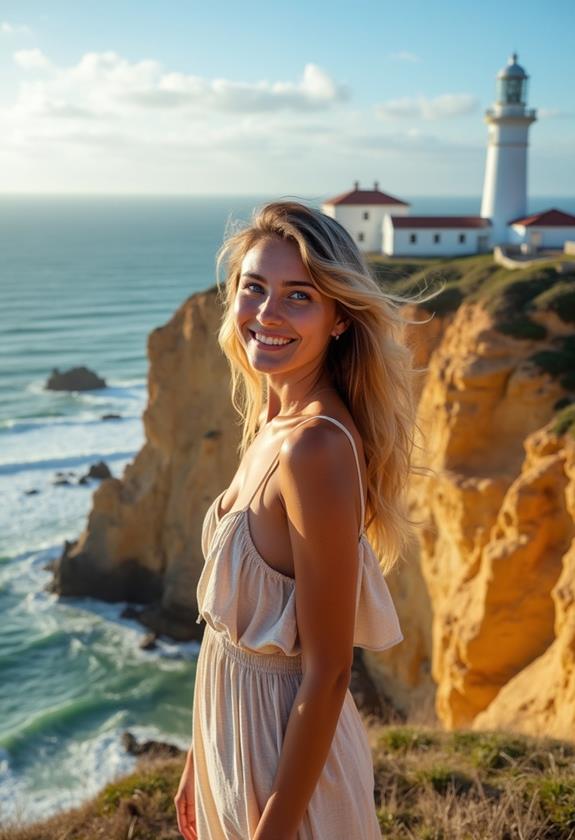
10	468
43	421
87	765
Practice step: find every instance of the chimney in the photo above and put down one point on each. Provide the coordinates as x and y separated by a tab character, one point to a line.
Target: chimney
356	185
376	185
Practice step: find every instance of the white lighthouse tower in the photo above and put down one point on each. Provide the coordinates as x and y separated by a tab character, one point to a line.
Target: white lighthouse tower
505	185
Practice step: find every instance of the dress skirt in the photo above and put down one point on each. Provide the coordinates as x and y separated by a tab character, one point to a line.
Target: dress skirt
242	703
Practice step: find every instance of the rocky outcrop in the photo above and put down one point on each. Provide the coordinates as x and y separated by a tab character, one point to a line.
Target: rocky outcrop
540	697
142	538
74	379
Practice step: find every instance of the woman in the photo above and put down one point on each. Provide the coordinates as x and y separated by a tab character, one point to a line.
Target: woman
324	386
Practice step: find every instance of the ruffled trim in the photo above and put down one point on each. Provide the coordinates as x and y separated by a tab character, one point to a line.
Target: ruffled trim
232	598
249	547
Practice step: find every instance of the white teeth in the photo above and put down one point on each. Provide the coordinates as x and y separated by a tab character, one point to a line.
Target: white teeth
268	340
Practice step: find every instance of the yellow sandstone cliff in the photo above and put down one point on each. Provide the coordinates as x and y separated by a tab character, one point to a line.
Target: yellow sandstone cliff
498	528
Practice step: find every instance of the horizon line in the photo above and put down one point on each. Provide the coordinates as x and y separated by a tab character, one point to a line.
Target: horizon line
244	195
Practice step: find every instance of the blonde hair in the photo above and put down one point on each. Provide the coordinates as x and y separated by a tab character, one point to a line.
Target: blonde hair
370	365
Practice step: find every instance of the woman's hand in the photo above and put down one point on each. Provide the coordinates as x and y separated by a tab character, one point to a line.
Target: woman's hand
185	801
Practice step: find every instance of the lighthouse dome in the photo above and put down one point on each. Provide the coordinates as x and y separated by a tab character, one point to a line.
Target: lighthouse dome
512	84
512	69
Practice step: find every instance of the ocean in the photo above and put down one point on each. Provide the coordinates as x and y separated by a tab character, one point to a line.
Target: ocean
83	280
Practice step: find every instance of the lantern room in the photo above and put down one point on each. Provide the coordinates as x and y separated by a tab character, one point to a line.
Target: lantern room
512	83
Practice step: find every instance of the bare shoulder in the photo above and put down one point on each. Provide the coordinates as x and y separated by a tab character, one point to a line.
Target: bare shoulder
317	467
317	443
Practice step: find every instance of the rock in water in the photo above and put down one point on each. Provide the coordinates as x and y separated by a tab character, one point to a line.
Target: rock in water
151	749
74	379
99	470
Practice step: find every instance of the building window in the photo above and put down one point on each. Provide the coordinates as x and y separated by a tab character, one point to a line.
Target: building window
366	215
461	238
436	238
412	238
360	237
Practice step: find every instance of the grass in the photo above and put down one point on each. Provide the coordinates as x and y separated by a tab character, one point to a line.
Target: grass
429	785
139	806
559	361
564	421
511	296
465	785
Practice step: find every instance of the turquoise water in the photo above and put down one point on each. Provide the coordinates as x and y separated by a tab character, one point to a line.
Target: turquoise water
83	281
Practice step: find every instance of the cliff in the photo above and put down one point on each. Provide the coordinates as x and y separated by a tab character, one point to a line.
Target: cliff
141	542
496	543
487	601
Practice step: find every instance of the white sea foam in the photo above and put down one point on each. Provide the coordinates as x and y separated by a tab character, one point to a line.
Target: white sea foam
64	442
84	767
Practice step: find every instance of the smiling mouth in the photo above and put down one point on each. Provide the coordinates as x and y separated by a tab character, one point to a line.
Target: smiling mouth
270	340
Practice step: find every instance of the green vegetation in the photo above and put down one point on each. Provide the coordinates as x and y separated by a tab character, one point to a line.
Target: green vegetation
522	327
564	421
139	806
154	787
559	362
404	738
429	784
468	785
559	298
515	299
509	295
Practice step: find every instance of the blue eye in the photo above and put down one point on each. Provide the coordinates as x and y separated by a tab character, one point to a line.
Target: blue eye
305	296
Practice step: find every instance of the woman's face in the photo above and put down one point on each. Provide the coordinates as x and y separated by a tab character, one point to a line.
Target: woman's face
277	302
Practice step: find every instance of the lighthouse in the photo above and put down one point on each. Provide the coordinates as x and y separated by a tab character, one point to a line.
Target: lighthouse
505	185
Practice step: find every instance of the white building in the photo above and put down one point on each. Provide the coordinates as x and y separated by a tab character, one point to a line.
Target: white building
380	222
361	212
453	236
543	230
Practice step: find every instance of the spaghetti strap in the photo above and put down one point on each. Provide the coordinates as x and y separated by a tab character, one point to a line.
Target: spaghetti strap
265	476
275	461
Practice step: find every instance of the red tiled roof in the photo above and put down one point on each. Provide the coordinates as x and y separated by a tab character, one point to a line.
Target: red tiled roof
439	222
548	218
357	196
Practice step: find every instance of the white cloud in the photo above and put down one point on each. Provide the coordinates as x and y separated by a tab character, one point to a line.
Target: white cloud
411	141
7	28
31	59
446	106
108	124
315	91
404	55
108	81
554	114
106	102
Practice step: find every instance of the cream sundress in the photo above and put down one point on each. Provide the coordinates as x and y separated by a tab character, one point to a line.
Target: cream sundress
248	671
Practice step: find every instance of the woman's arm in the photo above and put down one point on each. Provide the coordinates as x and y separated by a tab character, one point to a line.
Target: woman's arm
318	480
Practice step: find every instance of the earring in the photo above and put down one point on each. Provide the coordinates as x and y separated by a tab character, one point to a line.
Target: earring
337	336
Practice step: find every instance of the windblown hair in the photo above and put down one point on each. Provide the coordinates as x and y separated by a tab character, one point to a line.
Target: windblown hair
370	365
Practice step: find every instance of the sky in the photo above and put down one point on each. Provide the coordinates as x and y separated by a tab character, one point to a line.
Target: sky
197	98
